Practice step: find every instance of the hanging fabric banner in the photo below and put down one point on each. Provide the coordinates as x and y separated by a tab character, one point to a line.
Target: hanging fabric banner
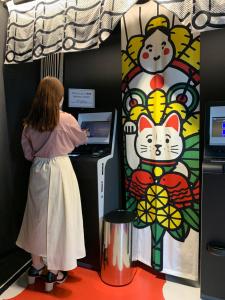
203	15
38	28
160	92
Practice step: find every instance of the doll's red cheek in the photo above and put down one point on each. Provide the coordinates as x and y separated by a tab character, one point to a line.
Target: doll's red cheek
166	51
145	55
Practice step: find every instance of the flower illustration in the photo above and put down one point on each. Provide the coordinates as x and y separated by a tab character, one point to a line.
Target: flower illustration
146	212
169	217
157	196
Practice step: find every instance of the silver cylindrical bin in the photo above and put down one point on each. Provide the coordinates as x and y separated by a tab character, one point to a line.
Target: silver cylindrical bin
116	264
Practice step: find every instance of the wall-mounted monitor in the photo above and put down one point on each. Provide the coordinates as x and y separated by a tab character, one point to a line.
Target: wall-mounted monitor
217	126
215	129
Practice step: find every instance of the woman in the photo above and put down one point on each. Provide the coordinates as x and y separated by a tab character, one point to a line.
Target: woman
52	228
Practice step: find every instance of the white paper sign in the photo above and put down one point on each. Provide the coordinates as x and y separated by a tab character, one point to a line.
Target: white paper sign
84	98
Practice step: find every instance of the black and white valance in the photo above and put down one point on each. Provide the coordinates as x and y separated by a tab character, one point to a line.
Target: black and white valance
203	15
41	27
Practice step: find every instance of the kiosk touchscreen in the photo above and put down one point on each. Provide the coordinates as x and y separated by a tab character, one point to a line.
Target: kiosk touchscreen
215	130
99	130
98	126
217	126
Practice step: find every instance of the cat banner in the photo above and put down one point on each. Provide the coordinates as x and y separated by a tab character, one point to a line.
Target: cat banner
160	94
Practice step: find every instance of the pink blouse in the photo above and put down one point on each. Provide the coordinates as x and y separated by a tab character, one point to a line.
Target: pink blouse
62	140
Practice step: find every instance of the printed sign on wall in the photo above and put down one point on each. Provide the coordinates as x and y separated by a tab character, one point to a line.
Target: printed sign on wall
83	98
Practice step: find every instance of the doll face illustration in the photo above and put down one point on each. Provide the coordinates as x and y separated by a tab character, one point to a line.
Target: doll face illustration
156	53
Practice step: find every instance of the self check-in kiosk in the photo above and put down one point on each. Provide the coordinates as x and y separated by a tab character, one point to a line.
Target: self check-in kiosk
213	204
97	169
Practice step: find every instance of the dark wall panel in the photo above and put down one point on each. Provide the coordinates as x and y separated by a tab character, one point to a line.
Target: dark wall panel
21	81
212	72
6	205
213	192
213	65
12	182
98	69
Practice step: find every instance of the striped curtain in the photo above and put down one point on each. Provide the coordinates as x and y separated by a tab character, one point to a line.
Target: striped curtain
203	15
39	28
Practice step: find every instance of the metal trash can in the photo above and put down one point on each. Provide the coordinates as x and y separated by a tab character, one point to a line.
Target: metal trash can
116	263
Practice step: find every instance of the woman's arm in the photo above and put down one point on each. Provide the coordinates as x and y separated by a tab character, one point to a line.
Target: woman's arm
27	145
77	135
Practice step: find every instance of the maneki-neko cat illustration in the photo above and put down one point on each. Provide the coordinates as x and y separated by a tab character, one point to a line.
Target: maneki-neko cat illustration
153	144
161	131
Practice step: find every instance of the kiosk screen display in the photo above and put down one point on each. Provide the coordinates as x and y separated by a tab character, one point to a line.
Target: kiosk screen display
98	126
217	126
98	131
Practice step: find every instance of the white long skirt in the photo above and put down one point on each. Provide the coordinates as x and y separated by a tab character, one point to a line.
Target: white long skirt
52	225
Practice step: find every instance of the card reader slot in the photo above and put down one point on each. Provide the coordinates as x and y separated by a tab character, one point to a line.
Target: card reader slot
213	167
216	249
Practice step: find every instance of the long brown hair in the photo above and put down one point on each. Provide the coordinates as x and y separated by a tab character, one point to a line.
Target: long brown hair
44	112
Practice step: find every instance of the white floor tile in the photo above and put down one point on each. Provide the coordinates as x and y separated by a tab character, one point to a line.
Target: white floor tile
16	288
176	291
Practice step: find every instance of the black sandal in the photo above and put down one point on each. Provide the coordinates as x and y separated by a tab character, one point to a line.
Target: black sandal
33	273
52	278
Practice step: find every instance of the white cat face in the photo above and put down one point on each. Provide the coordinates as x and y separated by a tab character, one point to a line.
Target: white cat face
159	142
156	53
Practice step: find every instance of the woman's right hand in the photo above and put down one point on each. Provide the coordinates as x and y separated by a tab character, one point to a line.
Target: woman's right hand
86	130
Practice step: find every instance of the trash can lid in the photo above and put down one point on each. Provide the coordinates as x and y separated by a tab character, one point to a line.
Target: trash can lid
120	216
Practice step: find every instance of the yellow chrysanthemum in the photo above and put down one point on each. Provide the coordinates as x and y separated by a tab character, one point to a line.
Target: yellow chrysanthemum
146	212
169	217
157	196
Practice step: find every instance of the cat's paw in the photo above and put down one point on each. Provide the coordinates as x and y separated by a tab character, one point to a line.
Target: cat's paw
181	168
130	128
